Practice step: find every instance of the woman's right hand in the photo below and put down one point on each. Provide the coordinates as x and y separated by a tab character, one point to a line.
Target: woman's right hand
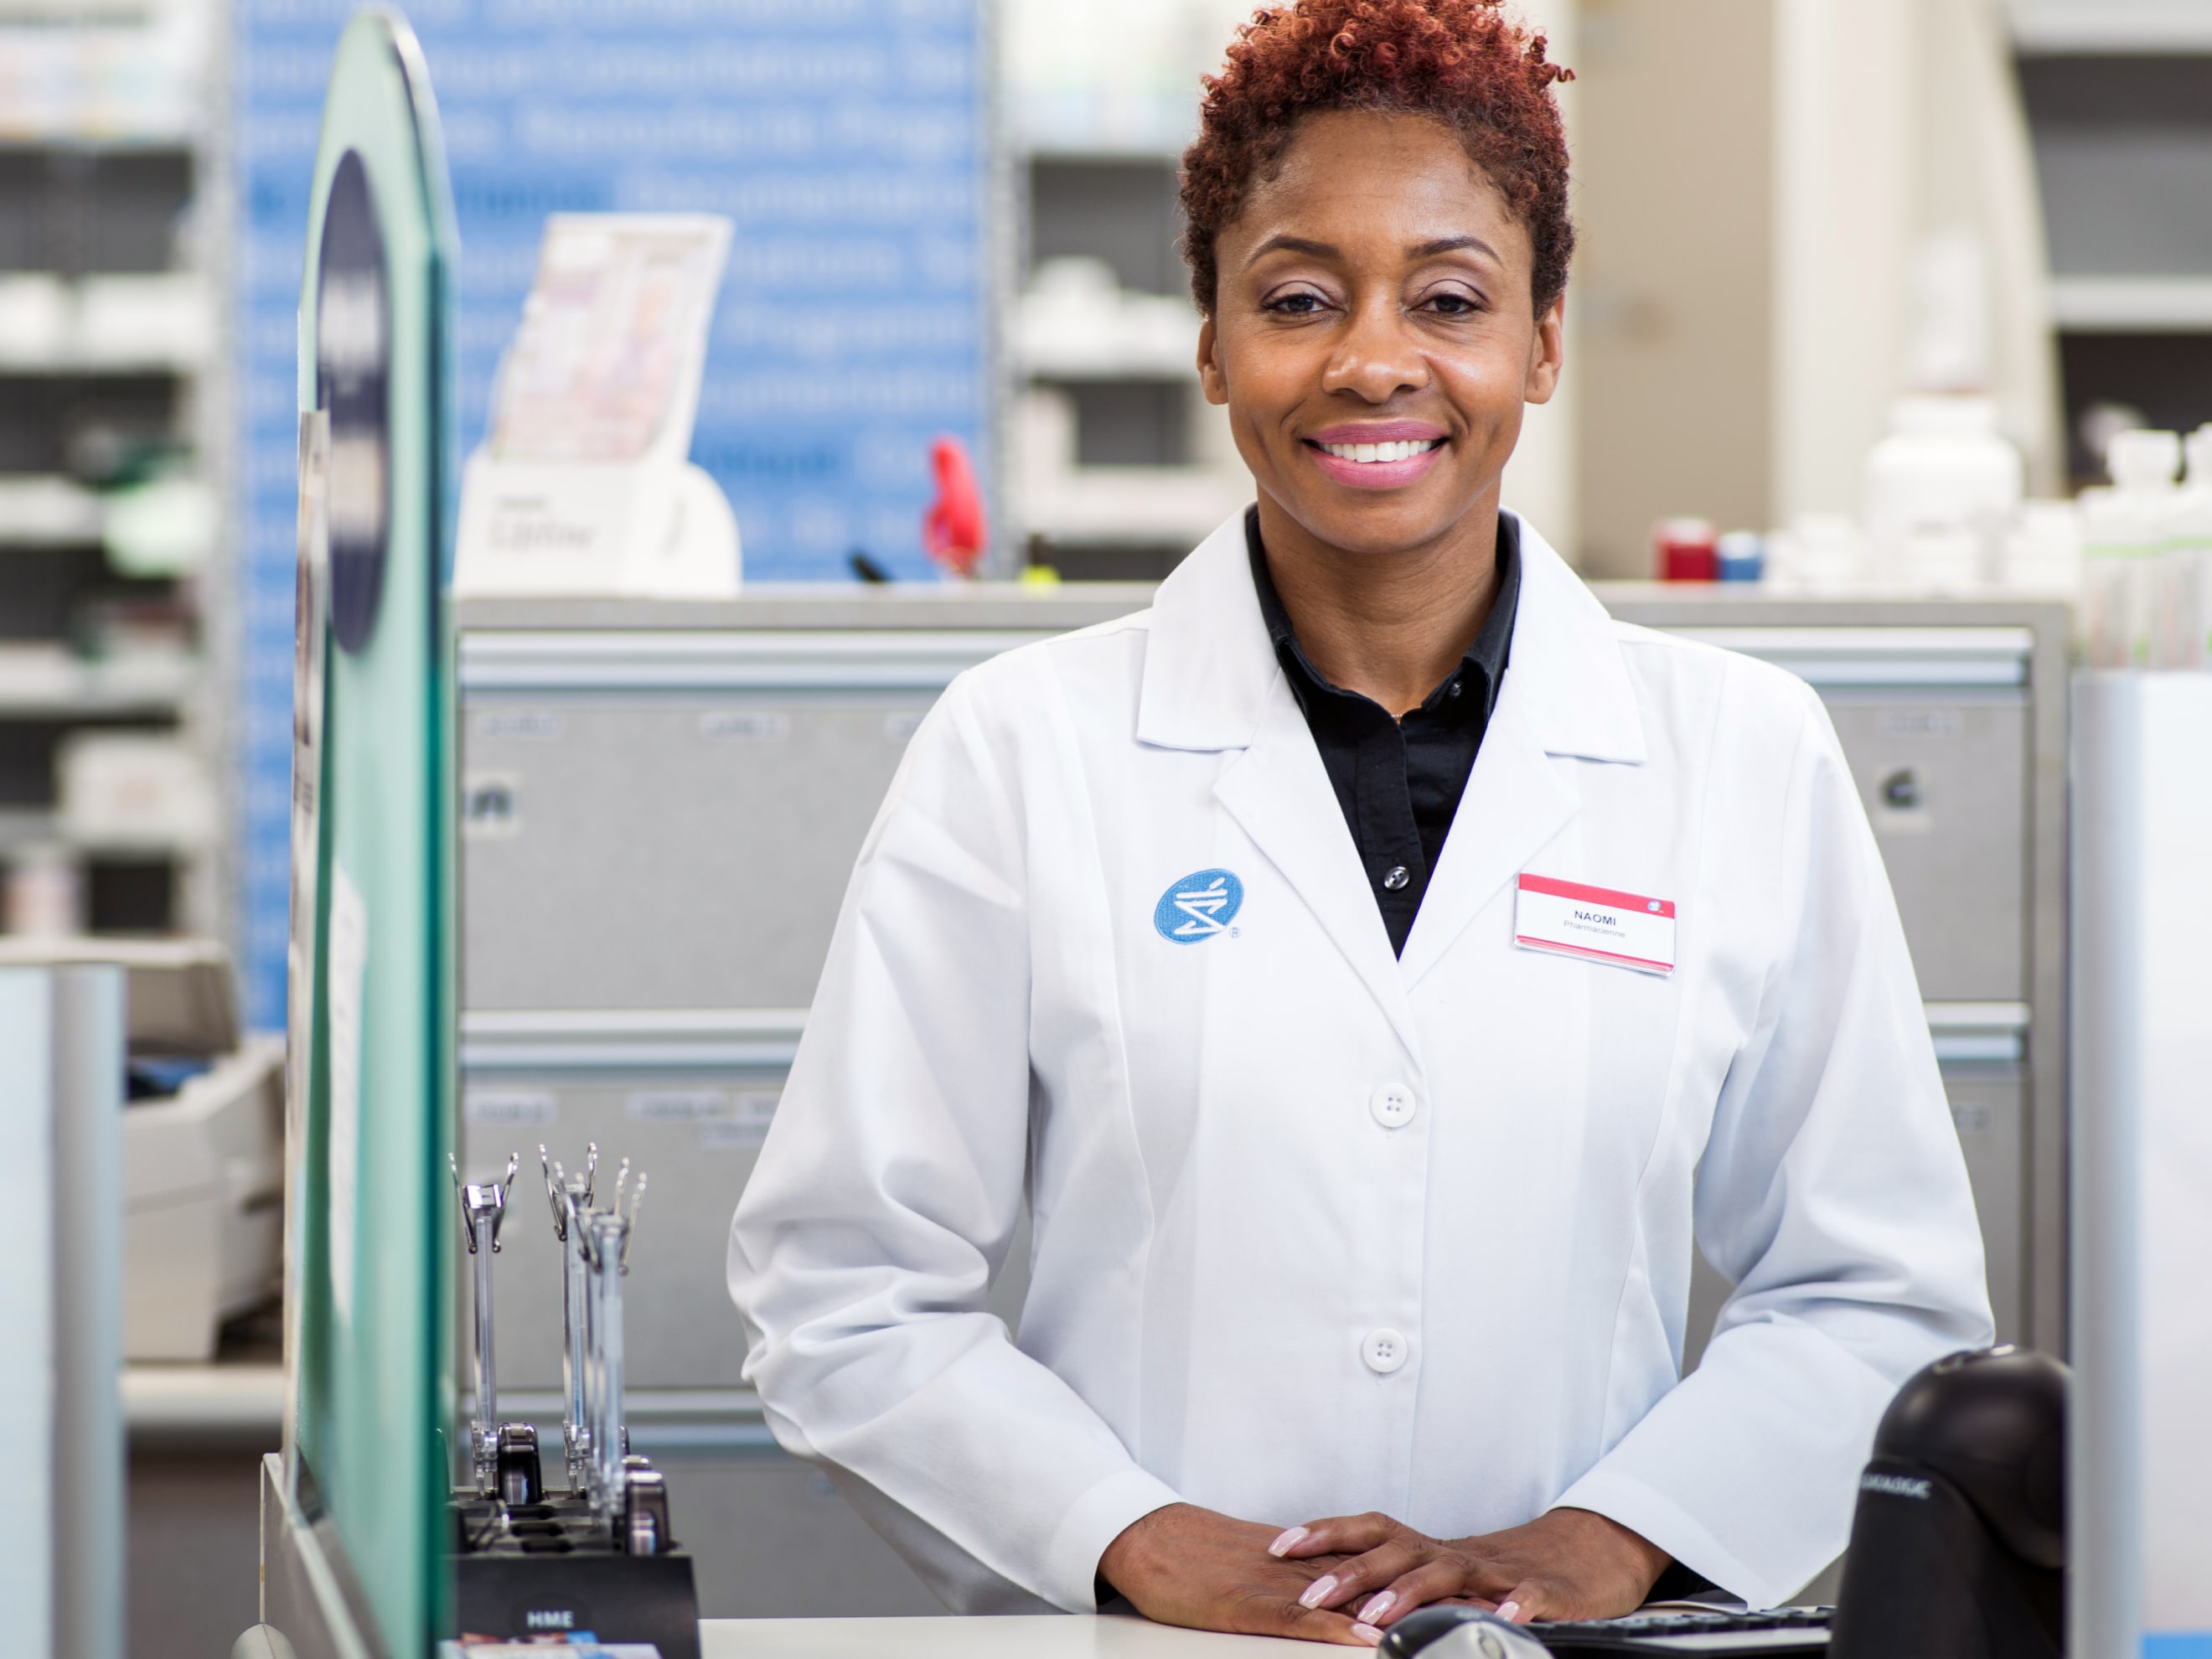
1185	1565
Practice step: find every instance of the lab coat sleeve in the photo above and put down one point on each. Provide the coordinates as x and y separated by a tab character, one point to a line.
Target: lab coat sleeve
1833	1193
886	1196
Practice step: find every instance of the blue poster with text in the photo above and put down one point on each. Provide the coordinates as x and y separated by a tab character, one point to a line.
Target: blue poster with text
848	141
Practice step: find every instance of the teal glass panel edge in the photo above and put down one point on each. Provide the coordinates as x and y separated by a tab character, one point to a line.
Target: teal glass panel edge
371	1386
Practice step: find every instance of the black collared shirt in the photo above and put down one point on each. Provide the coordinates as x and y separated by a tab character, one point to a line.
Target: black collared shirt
1400	780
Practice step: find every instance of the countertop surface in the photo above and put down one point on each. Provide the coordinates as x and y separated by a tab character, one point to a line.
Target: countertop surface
1050	1636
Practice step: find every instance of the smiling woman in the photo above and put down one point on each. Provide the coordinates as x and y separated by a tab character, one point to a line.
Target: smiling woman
1229	937
1377	233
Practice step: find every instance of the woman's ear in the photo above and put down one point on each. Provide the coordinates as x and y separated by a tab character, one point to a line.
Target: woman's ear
1210	379
1548	352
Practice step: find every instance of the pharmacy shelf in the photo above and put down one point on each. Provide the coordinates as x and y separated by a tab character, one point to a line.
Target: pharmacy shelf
2132	305
1095	506
41	510
45	682
73	365
21	827
159	324
2085	28
1074	324
93	81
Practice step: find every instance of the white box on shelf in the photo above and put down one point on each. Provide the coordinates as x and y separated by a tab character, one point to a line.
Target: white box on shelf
168	318
40	511
133	788
1075	322
38	318
1070	504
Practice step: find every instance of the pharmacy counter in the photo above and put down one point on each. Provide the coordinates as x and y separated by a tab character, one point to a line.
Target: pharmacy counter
1053	1636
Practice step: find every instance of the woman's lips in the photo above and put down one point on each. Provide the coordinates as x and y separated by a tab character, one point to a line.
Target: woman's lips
1376	474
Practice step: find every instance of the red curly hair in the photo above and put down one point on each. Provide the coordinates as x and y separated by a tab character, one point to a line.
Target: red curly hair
1465	63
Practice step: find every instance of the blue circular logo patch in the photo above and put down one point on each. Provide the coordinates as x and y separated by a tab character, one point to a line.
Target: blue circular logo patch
1199	907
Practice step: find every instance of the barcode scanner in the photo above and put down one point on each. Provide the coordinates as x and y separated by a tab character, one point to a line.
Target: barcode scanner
1959	1544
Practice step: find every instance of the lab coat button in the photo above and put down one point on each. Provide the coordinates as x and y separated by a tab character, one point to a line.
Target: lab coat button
1393	1105
1384	1351
1395	878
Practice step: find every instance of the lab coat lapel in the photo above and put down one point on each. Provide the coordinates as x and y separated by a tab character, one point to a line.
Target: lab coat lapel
1211	682
1278	792
1566	697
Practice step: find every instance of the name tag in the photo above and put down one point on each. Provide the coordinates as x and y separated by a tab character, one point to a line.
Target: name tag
1630	930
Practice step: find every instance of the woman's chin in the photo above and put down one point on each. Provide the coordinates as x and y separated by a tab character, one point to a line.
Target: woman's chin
1376	522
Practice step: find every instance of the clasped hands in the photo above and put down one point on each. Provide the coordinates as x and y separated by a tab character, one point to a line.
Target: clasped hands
1346	1580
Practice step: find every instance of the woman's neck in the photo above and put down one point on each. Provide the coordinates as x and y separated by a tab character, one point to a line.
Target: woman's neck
1389	626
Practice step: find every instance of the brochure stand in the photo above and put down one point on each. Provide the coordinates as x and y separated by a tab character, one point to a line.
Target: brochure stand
582	485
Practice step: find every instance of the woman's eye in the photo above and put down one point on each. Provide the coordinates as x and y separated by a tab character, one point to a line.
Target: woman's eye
1452	305
1293	305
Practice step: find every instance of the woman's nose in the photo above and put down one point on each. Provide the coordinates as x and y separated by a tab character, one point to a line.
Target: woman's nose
1376	357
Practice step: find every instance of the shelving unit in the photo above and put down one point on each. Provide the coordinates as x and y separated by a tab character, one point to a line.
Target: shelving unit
1119	465
112	403
2118	95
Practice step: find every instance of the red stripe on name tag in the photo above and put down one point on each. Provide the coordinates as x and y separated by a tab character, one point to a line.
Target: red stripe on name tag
1609	896
1559	950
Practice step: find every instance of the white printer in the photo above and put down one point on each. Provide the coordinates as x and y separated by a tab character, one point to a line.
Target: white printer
204	1143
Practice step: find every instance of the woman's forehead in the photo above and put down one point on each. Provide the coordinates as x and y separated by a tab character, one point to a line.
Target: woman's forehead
1404	181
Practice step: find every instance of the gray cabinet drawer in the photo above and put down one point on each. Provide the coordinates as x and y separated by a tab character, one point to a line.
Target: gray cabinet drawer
694	1136
666	851
1990	1107
1946	786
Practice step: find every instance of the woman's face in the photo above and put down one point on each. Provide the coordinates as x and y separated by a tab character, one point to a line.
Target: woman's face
1374	335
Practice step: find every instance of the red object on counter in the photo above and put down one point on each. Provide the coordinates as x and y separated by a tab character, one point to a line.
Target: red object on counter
1685	550
954	531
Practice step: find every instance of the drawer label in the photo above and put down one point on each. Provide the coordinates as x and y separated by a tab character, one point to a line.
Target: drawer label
677	1105
744	725
539	724
499	1106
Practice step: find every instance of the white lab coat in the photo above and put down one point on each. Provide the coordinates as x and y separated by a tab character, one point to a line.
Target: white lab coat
1223	1218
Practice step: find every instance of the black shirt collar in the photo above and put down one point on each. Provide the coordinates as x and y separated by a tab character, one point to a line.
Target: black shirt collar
1485	660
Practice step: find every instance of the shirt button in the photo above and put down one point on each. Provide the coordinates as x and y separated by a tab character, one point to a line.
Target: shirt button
1393	1105
1456	687
1384	1351
1396	877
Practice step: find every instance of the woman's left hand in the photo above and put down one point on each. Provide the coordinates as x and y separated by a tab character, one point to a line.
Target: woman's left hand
1565	1563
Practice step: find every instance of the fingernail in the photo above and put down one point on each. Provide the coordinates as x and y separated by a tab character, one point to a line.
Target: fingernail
1319	1591
1368	1634
1288	1541
1377	1607
1509	1611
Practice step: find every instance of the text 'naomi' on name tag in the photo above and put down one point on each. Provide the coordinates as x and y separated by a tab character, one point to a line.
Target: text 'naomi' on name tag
1601	924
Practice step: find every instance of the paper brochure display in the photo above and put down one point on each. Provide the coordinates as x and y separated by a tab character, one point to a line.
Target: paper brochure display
583	484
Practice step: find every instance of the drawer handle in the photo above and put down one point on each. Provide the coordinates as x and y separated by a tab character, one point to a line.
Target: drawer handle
1900	790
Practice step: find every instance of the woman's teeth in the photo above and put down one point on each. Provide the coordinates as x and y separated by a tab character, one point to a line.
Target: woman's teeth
1404	451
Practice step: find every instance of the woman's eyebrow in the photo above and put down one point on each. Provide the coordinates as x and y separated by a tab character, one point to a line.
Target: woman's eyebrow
1282	242
1452	245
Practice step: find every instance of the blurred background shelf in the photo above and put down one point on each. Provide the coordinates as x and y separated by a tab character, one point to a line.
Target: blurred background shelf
46	682
2073	27
2132	305
115	409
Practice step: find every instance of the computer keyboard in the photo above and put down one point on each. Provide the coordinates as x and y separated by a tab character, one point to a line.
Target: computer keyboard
1796	1630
